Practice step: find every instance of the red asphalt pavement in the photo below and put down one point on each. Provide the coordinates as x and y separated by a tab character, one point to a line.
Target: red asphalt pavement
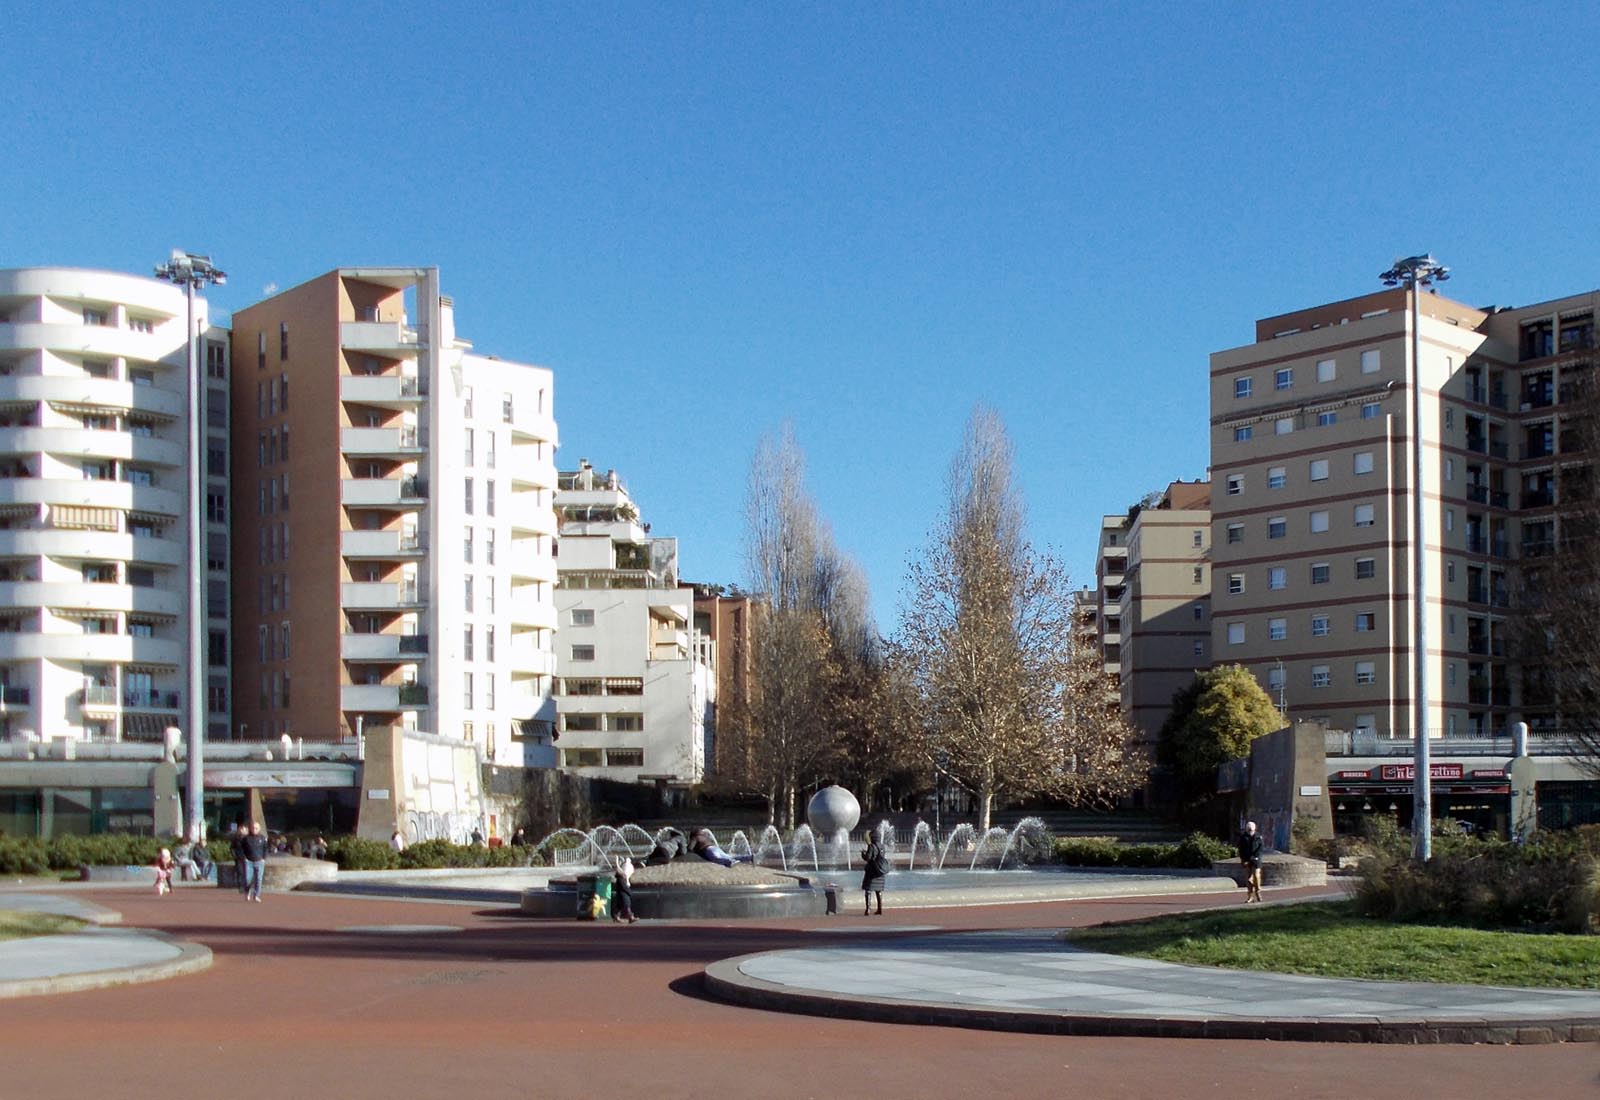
518	1008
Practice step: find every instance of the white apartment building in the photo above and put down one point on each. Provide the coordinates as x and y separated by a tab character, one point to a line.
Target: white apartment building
638	682
94	398
411	583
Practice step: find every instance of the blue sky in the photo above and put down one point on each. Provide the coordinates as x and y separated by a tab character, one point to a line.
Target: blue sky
712	219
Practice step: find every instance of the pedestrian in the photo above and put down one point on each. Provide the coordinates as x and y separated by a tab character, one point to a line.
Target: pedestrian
622	892
875	868
477	837
704	845
318	848
164	866
397	841
1250	849
236	844
519	839
254	846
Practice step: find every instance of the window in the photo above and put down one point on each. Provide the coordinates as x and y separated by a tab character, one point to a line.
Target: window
283	340
583	653
95	316
1319	469
1235	484
1243	433
217	507
466	545
1366	569
466	496
1370	410
1277	629
142	377
466	643
1277	527
1283	378
1366	622
466	594
466	402
1366	723
1198	575
1199	648
1328	418
488	649
1362	462
1449	519
1319	573
1236	634
488	545
283	392
1371	362
1326	370
1277	477
488	691
1449	418
1242	386
1235	583
467	446
1366	672
488	450
1449	469
1320	627
1275	681
583	616
506	408
625	723
1450	571
1283	425
1450	622
1450	674
1319	522
1199	613
624	758
1197	538
1320	676
488	497
1277	578
466	690
1235	532
217	648
1364	515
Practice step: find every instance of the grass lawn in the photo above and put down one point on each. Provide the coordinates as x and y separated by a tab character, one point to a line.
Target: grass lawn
1329	939
15	925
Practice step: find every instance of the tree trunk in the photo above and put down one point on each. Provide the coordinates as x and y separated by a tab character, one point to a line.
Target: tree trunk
985	805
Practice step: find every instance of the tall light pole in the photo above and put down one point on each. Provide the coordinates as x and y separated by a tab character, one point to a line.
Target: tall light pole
193	272
1413	273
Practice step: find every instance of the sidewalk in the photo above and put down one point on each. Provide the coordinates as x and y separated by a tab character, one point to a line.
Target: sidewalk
1032	981
92	958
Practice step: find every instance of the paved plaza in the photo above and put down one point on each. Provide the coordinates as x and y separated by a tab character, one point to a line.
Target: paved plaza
376	997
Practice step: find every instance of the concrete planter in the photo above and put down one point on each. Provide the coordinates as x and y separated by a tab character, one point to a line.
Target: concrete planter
1278	869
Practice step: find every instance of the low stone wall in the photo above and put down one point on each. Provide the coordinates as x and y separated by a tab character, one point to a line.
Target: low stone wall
281	872
1278	869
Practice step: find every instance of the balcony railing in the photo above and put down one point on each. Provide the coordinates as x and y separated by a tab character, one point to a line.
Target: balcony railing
1538	498
414	488
1540	449
414	643
413	695
1538	548
14	696
151	700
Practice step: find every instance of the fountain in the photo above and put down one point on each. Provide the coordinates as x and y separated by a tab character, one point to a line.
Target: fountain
922	835
772	841
804	838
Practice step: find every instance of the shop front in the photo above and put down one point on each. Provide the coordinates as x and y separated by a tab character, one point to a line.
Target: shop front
1478	797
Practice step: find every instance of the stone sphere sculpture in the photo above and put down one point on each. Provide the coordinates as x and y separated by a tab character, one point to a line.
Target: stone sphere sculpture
831	810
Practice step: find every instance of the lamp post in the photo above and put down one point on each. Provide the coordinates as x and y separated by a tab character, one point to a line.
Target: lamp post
193	272
1415	272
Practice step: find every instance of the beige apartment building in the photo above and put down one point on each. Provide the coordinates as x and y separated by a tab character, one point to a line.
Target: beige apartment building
1311	502
393	522
1155	622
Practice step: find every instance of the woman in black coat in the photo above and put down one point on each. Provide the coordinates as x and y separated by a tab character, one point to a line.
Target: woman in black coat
875	868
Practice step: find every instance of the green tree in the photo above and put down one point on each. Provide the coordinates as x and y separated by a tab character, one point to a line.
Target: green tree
1213	720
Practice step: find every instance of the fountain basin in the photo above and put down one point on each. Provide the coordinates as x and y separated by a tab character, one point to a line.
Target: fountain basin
692	888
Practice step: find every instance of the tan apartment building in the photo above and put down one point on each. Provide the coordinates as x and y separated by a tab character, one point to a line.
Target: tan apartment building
728	621
393	521
1155	569
1311	433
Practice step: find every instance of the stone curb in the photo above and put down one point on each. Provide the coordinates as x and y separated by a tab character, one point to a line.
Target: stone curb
192	958
726	982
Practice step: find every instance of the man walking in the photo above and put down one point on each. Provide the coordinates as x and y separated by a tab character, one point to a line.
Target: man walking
1250	850
253	845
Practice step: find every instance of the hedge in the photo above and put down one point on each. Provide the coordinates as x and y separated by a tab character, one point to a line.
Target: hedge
1197	850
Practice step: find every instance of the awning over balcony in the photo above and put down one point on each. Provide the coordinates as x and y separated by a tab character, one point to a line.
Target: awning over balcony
81	517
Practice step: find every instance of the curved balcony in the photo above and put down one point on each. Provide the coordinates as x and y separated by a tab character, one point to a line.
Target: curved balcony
527	425
98	545
94	340
528	472
532	520
381	545
91	443
89	597
383	697
528	610
91	494
92	393
523	563
67	284
74	649
398	443
384	391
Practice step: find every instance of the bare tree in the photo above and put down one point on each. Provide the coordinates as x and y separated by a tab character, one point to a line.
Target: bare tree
815	629
1008	706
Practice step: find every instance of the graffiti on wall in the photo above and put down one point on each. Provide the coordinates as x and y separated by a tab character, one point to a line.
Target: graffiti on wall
455	826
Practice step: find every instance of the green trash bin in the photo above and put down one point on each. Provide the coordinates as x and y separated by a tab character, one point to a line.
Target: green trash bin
594	896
